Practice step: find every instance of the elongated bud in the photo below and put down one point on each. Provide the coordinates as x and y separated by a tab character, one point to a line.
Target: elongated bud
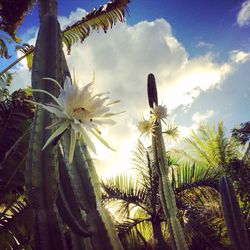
152	91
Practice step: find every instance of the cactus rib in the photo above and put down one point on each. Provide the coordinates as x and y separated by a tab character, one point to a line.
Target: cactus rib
232	215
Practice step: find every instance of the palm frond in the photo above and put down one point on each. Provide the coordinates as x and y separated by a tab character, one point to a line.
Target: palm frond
3	49
242	132
194	184
135	233
124	189
205	228
12	14
210	146
102	18
16	226
15	121
5	81
27	50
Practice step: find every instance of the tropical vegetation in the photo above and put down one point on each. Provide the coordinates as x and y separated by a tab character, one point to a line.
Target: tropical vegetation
50	195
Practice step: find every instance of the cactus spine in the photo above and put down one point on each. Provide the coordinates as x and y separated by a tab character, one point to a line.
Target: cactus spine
233	218
167	196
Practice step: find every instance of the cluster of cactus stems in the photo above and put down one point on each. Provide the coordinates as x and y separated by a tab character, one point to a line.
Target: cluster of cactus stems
233	217
167	195
59	191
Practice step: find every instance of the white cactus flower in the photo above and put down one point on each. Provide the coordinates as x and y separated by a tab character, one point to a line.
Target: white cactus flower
145	126
159	112
81	110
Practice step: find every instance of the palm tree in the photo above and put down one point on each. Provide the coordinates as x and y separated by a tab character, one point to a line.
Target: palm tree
210	146
213	148
139	213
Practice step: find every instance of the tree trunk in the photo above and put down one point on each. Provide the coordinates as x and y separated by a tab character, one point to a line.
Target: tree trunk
158	236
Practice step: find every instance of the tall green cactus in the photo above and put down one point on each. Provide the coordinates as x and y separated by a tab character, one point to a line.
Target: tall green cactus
42	166
167	196
87	189
233	218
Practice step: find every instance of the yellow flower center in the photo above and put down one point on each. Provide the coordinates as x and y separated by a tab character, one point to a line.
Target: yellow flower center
81	114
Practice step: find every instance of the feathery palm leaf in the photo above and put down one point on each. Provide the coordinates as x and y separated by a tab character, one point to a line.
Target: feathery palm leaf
212	147
5	81
135	234
126	190
15	121
102	18
12	14
16	226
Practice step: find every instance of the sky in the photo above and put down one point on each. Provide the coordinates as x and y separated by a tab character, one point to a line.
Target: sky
199	52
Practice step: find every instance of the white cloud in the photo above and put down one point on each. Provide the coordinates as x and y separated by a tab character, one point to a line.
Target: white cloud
239	57
202	44
198	117
243	17
122	59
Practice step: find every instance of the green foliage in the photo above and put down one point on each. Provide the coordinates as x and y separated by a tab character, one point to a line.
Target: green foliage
15	120
5	81
12	14
135	201
102	18
242	133
232	215
16	225
3	49
27	50
211	147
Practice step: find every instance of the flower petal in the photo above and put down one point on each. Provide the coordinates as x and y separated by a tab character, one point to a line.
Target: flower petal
53	80
55	111
46	92
87	139
102	122
60	130
72	145
101	139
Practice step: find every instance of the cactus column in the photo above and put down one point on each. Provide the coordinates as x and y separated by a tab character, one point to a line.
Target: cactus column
233	218
87	189
167	196
42	169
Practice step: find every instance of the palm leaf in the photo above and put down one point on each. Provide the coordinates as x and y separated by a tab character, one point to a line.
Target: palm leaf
27	50
210	146
135	233
102	18
15	121
194	184
5	81
12	14
16	226
3	49
124	189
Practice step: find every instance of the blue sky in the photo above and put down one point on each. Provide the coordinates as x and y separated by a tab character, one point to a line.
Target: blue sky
199	52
